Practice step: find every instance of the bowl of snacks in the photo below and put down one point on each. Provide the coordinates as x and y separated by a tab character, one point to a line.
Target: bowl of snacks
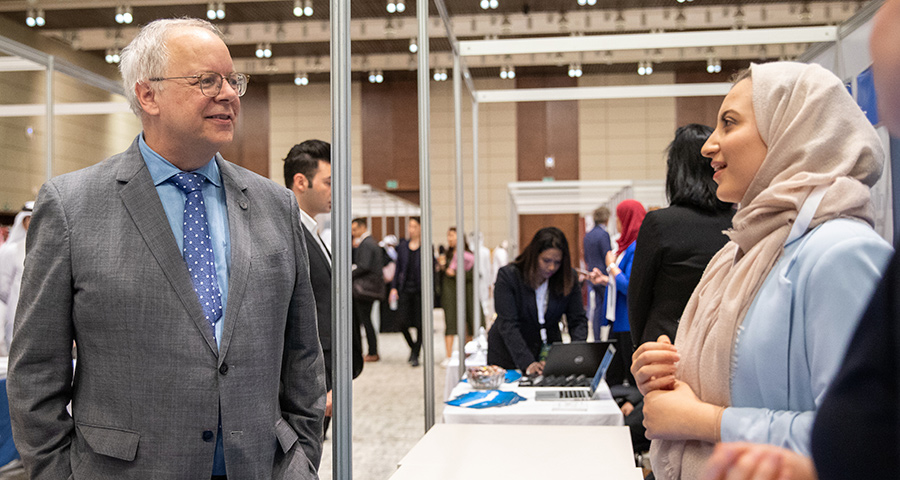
488	377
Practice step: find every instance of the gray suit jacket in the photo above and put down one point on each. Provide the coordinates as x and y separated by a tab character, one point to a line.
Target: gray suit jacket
103	270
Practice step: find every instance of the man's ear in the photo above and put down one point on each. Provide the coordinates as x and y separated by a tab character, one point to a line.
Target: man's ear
146	96
300	183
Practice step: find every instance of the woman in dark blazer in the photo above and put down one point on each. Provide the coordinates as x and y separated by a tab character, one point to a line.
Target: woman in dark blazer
542	272
675	243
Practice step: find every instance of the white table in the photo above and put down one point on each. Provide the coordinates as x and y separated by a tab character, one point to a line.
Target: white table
492	452
530	412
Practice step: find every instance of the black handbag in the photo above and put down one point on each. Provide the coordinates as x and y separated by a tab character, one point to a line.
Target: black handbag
368	287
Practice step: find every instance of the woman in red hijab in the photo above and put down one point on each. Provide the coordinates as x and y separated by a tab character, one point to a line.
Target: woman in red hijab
629	215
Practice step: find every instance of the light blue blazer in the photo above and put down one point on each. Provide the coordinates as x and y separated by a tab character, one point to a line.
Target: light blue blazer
797	329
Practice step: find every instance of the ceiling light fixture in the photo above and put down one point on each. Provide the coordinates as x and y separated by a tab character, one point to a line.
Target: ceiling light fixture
35	17
391	8
376	76
308	8
413	46
489	4
575	70
713	65
301	79
264	50
298	9
440	74
401	6
508	72
112	55
124	14
220	11
645	67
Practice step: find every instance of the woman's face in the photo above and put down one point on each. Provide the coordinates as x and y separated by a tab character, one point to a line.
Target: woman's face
548	262
414	230
451	238
735	147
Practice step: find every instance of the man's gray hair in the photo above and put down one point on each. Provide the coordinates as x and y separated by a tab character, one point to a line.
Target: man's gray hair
147	56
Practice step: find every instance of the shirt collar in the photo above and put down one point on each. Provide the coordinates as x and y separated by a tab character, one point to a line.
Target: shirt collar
309	222
162	170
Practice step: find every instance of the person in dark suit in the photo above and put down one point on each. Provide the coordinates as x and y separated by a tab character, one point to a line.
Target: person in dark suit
183	279
596	246
307	172
406	288
675	243
531	295
368	261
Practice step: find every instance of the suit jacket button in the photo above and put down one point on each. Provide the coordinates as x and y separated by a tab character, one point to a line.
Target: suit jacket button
208	436
223	369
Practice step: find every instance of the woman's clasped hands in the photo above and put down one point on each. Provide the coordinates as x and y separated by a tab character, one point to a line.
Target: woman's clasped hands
672	410
653	365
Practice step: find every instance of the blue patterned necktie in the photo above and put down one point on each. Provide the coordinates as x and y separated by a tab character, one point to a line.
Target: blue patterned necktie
197	248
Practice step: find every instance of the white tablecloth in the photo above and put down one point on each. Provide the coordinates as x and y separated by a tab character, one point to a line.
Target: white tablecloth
477	359
530	412
494	452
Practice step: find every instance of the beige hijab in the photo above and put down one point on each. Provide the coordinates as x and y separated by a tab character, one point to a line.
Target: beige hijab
816	135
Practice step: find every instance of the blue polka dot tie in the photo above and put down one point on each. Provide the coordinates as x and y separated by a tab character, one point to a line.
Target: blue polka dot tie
197	249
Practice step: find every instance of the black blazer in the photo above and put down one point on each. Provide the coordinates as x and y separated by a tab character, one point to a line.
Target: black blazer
674	246
320	277
514	340
369	260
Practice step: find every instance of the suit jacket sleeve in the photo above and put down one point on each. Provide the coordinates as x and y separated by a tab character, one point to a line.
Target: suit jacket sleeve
40	367
647	260
302	397
400	271
511	318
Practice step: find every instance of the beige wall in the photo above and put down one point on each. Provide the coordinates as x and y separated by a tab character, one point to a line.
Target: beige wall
80	140
304	113
619	139
625	139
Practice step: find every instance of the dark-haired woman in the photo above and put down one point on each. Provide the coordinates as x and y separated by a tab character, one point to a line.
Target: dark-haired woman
531	295
675	243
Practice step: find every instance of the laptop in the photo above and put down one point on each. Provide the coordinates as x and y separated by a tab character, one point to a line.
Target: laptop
579	394
575	358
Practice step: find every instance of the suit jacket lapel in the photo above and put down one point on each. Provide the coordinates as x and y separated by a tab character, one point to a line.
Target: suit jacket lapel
241	248
313	248
142	203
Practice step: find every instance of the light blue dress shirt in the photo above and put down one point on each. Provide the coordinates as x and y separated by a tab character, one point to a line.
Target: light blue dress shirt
173	200
794	336
217	213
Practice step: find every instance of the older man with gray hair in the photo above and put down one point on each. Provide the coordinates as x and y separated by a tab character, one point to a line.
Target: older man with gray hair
184	281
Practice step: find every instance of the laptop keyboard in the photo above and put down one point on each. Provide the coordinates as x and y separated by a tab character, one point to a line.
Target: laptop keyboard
555	381
573	394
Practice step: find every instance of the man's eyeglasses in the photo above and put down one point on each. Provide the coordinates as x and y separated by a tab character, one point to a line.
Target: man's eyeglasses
211	82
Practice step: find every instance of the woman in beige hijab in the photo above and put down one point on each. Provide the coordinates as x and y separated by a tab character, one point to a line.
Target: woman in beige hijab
763	333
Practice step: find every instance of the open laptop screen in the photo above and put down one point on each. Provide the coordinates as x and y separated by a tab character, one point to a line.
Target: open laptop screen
604	365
